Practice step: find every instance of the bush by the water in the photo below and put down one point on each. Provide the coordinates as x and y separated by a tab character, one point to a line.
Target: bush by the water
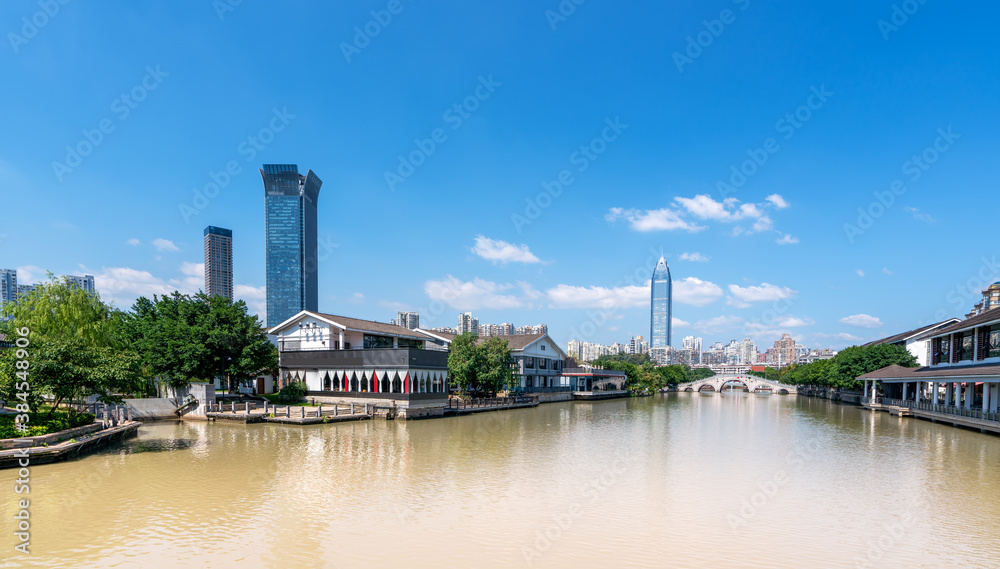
293	392
43	424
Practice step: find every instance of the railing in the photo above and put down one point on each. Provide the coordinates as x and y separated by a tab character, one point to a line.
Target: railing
300	411
943	409
483	402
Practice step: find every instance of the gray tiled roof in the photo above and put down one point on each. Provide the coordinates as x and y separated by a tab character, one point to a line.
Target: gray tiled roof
927	373
905	335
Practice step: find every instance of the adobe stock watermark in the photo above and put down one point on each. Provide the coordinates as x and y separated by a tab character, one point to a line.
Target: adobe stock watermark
899	17
122	108
893	533
767	489
563	11
225	7
698	43
220	179
914	168
454	116
785	126
582	158
563	521
48	9
597	318
22	485
363	35
962	296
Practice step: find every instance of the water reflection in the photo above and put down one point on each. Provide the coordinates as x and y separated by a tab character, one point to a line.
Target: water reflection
767	481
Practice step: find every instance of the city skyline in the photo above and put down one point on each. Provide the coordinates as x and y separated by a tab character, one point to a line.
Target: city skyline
571	199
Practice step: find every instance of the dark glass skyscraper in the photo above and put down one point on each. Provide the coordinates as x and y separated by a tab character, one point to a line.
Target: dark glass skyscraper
661	298
291	242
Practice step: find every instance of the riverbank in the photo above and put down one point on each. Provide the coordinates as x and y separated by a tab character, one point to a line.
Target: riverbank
75	443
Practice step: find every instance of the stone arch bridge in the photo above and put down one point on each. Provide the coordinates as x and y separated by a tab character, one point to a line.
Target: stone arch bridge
752	383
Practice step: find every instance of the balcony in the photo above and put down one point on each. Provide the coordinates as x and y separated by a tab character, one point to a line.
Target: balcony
380	358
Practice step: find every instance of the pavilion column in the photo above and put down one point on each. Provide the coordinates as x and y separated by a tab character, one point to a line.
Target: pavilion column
341	339
866	388
995	389
970	394
948	393
916	395
958	394
906	385
987	388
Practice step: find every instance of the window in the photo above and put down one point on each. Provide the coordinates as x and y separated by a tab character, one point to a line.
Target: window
943	352
407	343
372	341
965	346
543	363
993	342
543	347
529	362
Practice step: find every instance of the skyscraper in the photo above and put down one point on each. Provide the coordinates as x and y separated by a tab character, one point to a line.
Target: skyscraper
409	320
86	282
219	262
290	240
661	293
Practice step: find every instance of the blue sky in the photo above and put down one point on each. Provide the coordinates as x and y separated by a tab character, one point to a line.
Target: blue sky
440	210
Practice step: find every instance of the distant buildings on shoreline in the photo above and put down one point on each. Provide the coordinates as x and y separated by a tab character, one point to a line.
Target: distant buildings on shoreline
11	289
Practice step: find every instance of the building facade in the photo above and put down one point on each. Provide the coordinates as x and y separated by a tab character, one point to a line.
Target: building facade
8	285
410	320
344	359
661	292
991	300
467	323
219	262
291	241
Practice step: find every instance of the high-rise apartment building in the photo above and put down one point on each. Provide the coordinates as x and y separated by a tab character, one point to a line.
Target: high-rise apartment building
661	292
467	323
86	282
8	285
219	262
991	300
290	241
409	320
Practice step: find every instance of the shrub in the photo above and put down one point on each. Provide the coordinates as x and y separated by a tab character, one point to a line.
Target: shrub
293	392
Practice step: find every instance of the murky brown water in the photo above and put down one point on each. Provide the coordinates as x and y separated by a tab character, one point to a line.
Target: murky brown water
681	480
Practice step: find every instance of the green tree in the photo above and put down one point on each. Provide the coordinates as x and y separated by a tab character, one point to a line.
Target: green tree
184	338
77	345
855	361
480	367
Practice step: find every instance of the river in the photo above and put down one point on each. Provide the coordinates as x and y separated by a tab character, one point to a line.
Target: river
676	480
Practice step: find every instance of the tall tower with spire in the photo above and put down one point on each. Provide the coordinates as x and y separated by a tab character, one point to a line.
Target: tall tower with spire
661	299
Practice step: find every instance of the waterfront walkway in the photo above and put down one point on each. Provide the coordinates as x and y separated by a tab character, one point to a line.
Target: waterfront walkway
482	404
983	421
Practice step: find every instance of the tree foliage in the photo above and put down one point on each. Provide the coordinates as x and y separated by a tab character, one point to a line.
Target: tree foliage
185	338
481	368
844	368
644	376
77	346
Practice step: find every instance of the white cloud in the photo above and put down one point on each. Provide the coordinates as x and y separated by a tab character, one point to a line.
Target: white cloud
255	297
501	251
778	201
925	217
123	285
703	206
787	321
694	257
30	274
862	321
860	273
133	242
763	224
786	239
357	298
678	323
193	269
695	292
471	295
164	245
886	270
763	293
719	324
567	296
653	220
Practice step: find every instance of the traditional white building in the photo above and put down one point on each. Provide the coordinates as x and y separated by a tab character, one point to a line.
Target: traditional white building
345	359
